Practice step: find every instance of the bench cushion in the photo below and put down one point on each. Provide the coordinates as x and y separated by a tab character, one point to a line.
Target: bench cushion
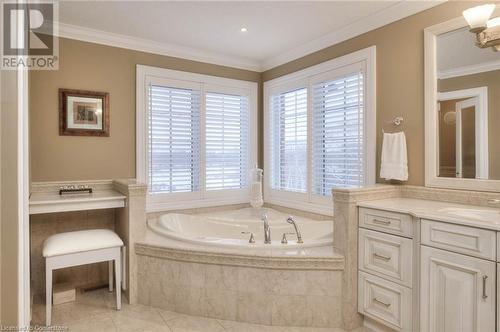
79	241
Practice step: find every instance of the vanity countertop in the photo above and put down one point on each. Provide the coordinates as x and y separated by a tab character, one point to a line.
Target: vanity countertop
48	202
470	215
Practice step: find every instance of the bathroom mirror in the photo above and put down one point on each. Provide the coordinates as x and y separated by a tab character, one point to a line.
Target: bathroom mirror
462	109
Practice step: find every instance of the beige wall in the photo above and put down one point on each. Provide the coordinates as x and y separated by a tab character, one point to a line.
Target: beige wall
492	81
9	202
400	75
400	91
96	67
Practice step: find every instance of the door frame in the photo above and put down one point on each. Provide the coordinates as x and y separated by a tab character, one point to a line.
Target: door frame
23	201
481	125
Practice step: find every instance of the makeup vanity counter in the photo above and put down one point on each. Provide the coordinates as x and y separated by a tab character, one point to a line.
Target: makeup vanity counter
428	265
49	202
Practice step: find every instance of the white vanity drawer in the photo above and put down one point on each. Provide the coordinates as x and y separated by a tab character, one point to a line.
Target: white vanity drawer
385	301
461	239
389	222
388	256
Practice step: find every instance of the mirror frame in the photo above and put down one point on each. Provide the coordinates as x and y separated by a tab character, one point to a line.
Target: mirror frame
431	115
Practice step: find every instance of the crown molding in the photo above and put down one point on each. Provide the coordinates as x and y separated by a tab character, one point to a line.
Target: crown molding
150	46
469	70
386	16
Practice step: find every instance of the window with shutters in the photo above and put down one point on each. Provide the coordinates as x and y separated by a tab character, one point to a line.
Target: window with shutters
289	140
196	138
174	139
227	141
337	133
320	131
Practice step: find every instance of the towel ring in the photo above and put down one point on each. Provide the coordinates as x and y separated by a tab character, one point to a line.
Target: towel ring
397	121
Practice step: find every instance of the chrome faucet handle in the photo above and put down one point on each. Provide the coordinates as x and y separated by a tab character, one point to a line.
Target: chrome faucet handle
252	238
284	239
291	221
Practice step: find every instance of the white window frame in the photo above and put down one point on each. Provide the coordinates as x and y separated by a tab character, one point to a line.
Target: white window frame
305	78
170	201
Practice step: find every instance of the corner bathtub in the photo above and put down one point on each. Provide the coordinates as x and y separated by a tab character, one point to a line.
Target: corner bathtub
224	229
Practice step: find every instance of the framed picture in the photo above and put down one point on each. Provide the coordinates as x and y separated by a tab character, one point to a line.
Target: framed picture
83	113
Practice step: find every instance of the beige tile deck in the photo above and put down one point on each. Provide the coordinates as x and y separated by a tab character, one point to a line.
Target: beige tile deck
94	311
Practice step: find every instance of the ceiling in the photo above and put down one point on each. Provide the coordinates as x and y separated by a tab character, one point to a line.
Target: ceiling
277	32
456	49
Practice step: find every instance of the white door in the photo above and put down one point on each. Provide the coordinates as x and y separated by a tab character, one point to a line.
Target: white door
457	292
480	138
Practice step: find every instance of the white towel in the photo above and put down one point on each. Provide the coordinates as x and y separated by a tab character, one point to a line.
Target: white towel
394	161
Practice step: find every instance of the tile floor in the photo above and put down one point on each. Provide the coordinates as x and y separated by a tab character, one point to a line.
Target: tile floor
94	311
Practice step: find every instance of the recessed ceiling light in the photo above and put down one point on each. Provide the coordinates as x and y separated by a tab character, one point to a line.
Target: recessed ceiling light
243	29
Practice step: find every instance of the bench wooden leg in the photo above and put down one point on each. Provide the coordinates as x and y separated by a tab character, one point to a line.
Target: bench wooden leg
48	292
118	280
110	271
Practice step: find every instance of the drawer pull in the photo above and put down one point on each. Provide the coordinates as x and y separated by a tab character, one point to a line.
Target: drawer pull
387	305
484	287
385	258
383	222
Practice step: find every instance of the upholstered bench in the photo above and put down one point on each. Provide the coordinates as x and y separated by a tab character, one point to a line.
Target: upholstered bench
79	248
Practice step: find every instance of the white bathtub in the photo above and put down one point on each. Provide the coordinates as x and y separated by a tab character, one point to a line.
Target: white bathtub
225	228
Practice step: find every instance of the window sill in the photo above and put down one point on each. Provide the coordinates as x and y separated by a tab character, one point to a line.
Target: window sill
322	209
152	206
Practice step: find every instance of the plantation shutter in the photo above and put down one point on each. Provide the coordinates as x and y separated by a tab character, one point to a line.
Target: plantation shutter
289	140
174	137
337	133
227	141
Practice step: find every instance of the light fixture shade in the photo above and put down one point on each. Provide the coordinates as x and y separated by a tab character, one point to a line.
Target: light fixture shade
494	22
478	16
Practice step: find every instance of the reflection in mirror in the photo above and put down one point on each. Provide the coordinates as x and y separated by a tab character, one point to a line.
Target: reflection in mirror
468	120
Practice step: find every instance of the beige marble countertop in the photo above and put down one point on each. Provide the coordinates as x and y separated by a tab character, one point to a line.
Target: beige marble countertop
48	202
470	215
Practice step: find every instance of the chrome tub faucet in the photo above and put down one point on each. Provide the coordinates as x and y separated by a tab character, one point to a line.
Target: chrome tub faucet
267	230
291	221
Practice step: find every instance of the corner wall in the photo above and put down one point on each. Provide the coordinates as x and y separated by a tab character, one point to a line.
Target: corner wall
400	75
9	200
87	66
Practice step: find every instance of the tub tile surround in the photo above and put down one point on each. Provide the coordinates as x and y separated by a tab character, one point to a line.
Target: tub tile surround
299	213
322	258
131	227
200	210
468	197
247	294
204	210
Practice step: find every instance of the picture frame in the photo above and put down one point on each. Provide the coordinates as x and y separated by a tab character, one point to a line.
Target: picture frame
83	113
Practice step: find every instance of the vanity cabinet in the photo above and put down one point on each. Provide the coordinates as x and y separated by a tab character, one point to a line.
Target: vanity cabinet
420	274
458	292
385	264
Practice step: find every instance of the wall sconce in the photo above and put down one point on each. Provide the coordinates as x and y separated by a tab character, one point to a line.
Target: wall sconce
487	31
